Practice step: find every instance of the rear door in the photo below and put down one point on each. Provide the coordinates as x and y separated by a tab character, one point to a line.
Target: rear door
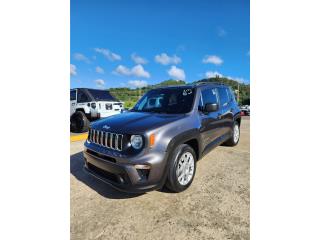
211	125
73	101
225	109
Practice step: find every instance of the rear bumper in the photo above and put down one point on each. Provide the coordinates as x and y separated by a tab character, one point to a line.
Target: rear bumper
122	176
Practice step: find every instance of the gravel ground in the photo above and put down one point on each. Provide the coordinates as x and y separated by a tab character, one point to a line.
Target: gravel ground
216	206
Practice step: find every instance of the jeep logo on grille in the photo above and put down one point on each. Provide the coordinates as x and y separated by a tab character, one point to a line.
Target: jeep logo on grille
106	127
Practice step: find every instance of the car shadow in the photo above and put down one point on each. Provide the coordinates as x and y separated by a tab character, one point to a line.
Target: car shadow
105	190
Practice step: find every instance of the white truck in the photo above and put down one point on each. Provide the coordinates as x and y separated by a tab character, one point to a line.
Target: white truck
90	104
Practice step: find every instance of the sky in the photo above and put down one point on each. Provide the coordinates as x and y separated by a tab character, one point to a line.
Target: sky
132	43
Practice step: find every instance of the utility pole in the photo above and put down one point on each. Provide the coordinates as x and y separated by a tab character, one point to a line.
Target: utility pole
238	92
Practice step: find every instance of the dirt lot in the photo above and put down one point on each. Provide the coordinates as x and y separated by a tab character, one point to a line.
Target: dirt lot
216	206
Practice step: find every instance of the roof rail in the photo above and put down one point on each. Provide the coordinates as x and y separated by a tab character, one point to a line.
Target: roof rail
203	83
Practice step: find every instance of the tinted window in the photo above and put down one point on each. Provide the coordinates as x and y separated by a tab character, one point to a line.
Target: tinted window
73	95
231	95
166	100
82	97
208	96
223	96
101	95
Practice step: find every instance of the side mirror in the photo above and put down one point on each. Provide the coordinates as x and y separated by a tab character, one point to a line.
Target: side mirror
211	107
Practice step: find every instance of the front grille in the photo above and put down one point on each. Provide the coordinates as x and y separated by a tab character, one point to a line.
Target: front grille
108	106
109	140
110	159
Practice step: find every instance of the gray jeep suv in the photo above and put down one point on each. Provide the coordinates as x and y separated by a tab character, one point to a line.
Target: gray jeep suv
159	141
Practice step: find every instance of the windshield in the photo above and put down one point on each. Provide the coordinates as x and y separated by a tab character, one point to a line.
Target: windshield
102	95
167	100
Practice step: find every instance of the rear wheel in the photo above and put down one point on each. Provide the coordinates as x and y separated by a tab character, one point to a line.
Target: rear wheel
182	168
234	139
79	122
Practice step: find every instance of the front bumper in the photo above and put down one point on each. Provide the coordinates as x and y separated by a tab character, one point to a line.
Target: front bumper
122	174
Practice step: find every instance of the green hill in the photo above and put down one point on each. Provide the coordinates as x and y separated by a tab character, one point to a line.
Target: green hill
130	96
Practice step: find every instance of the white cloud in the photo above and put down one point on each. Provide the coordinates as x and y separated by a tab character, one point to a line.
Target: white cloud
137	71
73	70
99	70
164	59
138	83
212	59
176	73
122	70
138	60
210	74
108	54
100	83
81	57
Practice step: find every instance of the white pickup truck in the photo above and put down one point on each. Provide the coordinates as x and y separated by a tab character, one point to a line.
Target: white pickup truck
91	104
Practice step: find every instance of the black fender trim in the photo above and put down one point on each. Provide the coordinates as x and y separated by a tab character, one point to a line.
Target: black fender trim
185	137
237	116
176	141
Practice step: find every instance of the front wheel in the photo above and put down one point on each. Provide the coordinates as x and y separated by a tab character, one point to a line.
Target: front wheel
234	139
79	122
182	168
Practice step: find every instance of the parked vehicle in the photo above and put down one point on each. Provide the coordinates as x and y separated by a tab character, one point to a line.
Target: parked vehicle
91	104
159	141
245	110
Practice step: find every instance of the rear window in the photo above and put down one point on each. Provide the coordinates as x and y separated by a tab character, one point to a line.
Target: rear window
73	94
102	95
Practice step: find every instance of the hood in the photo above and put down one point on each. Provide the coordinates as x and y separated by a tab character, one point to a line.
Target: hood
135	122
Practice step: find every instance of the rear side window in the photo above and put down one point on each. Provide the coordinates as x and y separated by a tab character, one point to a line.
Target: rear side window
223	96
73	95
82	97
208	96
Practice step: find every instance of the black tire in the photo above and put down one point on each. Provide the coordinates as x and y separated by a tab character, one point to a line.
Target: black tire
231	141
172	182
79	122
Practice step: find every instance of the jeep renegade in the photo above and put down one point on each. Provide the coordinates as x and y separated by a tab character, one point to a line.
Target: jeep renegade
159	141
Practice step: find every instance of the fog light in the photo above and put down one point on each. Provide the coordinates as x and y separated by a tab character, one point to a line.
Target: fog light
143	174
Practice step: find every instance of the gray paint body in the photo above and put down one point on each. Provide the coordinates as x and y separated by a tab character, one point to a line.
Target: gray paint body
209	130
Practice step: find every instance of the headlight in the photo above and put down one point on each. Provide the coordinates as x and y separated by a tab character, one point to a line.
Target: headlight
93	105
136	141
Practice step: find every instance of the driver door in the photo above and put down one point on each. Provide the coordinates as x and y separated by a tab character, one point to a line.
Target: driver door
211	125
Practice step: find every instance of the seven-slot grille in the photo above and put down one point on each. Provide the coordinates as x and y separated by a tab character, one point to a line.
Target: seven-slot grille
106	139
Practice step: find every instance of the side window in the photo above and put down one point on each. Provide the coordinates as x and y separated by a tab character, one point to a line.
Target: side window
73	95
223	96
82	97
208	96
231	94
